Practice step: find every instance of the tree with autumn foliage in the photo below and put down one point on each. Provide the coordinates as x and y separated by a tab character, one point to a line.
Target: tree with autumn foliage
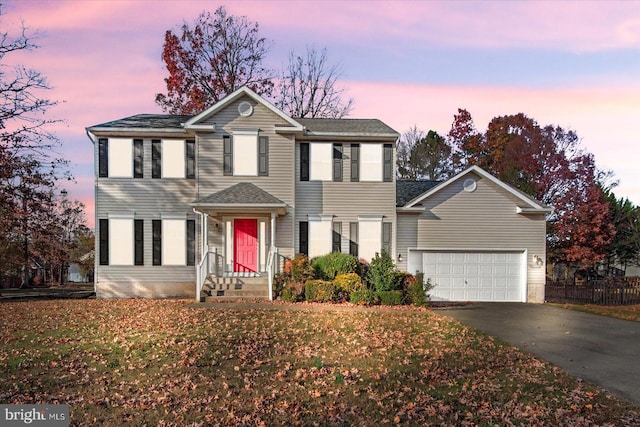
30	168
207	61
548	164
624	249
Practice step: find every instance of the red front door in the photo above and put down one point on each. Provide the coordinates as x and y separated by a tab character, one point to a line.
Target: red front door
245	243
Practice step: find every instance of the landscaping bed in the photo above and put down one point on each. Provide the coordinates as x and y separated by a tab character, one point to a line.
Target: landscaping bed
162	362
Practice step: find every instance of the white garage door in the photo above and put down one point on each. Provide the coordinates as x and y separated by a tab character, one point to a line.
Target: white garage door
475	276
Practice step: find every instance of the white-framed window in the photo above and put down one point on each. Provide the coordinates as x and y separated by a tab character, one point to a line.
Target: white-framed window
174	241
173	158
245	144
120	158
121	241
321	161
369	236
320	235
371	162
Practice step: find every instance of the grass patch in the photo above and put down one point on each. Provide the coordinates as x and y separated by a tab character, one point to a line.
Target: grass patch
626	312
159	362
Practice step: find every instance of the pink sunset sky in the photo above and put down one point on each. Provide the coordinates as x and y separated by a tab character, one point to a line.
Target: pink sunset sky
572	64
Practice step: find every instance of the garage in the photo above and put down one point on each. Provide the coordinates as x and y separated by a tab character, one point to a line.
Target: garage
497	276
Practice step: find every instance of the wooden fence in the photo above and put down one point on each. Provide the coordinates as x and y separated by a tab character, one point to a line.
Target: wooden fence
611	291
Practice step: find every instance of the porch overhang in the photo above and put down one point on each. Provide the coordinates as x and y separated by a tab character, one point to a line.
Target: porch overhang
240	198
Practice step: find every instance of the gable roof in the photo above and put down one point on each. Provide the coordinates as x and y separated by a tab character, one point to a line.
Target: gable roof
241	194
533	205
243	91
408	190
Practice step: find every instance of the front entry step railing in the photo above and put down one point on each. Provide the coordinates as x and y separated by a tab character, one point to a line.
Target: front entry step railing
214	282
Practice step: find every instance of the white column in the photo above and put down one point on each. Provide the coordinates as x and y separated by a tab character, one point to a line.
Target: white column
205	233
273	228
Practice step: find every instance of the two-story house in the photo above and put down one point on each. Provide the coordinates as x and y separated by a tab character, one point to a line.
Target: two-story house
211	204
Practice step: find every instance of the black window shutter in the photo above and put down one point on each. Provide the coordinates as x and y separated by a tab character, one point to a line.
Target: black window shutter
304	238
227	154
104	241
103	157
337	162
156	158
355	162
139	242
336	241
304	161
190	159
388	163
157	241
386	237
353	238
138	154
191	242
263	156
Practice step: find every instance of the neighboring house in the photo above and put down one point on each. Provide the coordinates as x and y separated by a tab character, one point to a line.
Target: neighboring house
211	204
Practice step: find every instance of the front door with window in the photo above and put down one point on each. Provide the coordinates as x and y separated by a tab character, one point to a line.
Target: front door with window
245	243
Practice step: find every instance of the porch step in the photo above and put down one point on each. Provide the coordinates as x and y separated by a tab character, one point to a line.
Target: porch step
216	288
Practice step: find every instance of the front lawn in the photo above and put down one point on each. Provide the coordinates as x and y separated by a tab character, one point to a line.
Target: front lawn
627	312
160	362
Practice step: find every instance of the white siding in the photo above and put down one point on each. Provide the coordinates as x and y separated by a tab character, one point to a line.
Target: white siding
173	158
120	157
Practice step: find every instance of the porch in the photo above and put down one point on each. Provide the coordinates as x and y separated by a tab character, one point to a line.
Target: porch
237	237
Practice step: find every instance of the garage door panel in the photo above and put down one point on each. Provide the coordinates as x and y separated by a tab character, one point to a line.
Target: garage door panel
475	276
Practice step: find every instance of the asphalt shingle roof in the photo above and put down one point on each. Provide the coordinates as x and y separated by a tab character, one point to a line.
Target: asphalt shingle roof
366	126
143	121
409	190
242	193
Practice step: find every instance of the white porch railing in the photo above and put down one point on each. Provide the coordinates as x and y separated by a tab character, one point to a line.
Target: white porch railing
206	266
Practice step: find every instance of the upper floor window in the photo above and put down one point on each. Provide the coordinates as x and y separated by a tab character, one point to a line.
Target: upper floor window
324	162
124	158
245	153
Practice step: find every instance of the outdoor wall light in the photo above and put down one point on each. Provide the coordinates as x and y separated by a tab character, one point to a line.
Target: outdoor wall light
217	227
537	261
399	257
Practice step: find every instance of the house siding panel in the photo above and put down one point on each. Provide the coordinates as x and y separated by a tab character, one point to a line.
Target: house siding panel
345	200
484	219
280	179
140	198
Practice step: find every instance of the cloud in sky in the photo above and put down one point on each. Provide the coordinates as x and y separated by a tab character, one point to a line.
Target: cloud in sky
574	64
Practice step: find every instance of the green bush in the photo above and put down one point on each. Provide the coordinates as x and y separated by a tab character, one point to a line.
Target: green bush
390	297
319	291
364	297
347	283
382	273
418	291
327	267
292	292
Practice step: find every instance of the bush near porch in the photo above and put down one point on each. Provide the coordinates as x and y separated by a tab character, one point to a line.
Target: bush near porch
338	277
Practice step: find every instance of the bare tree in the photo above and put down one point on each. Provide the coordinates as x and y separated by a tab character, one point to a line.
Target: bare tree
218	55
307	87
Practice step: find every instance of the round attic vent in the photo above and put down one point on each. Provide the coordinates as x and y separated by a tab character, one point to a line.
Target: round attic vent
245	109
469	185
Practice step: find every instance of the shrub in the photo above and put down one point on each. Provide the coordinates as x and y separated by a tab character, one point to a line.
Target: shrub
319	291
390	297
298	268
364	297
381	275
347	283
279	282
327	267
292	292
418	291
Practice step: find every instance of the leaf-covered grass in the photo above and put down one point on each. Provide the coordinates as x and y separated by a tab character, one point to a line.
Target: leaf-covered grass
161	362
627	312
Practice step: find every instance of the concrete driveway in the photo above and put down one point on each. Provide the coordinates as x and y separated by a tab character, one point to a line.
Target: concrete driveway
602	350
